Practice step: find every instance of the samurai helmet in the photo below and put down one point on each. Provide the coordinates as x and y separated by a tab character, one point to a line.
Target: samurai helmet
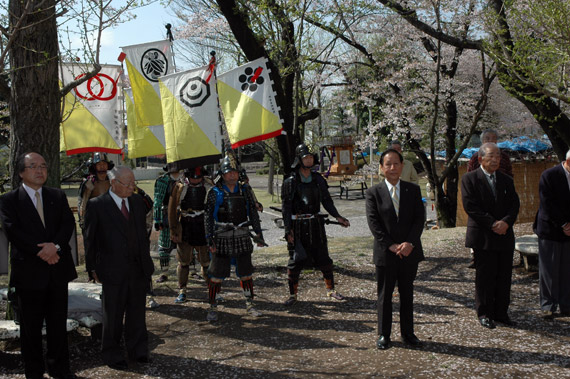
301	151
99	157
195	172
229	163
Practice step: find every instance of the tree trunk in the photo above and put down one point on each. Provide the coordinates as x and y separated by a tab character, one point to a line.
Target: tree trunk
283	84
270	176
35	99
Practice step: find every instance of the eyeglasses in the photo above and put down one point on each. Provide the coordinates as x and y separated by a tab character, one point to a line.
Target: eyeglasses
131	184
34	167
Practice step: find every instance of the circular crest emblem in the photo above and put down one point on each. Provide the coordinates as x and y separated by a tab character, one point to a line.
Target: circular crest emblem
100	87
251	79
194	92
154	64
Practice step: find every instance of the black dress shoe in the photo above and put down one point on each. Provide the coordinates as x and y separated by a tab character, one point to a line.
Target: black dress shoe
143	360
506	321
383	343
411	339
487	323
120	365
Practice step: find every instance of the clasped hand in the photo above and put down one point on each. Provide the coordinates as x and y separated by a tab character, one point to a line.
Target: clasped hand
402	250
48	252
500	227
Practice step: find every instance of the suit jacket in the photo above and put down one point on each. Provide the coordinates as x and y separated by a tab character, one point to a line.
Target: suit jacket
25	231
389	229
483	210
106	248
554	209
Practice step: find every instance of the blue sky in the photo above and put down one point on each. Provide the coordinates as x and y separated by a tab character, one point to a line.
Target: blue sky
147	27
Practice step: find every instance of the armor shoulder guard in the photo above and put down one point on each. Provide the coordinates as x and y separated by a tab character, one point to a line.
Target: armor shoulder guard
288	188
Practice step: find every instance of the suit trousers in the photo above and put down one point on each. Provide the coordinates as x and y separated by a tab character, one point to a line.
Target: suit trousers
493	271
127	300
554	278
404	273
49	304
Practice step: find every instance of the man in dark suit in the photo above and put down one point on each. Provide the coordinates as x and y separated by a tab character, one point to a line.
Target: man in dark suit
552	225
490	201
395	214
39	225
118	256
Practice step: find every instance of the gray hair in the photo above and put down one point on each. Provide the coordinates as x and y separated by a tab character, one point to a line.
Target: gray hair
117	171
568	155
486	147
487	132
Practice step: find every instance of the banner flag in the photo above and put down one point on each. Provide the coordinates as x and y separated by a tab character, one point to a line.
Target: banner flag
92	111
192	127
248	103
142	140
145	64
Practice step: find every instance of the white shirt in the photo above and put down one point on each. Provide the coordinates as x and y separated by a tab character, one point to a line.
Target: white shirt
389	185
119	200
32	194
488	176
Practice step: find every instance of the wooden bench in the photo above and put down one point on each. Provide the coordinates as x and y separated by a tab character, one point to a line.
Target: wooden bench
352	183
527	247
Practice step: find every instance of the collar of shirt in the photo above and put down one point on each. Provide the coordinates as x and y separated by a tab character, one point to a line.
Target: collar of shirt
389	185
119	200
488	176
32	193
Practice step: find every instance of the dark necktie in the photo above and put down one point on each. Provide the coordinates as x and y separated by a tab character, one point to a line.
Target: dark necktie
494	185
124	210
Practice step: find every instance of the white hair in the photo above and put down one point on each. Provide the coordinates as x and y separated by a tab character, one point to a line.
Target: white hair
117	171
486	147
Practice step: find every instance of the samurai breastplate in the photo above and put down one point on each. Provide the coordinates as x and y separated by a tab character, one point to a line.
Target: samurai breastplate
194	198
233	208
307	199
99	188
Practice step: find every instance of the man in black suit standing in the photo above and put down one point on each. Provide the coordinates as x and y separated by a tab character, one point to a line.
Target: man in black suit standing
39	224
118	256
552	225
395	214
492	204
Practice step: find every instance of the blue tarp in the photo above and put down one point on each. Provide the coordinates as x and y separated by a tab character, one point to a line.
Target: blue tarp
521	144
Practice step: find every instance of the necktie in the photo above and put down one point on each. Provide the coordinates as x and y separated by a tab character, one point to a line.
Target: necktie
395	200
124	209
494	185
40	207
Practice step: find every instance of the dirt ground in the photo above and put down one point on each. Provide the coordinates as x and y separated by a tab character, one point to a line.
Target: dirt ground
321	337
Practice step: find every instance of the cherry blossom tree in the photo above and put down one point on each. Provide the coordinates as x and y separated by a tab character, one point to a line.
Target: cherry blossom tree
503	35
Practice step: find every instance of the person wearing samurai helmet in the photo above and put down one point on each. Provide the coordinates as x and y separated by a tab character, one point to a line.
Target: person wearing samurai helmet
302	194
96	183
230	209
186	220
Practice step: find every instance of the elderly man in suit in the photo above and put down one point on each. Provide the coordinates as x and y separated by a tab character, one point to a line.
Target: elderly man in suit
395	214
118	256
39	224
492	204
552	225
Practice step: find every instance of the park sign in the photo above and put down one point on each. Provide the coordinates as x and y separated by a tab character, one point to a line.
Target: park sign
192	125
145	64
91	111
248	103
